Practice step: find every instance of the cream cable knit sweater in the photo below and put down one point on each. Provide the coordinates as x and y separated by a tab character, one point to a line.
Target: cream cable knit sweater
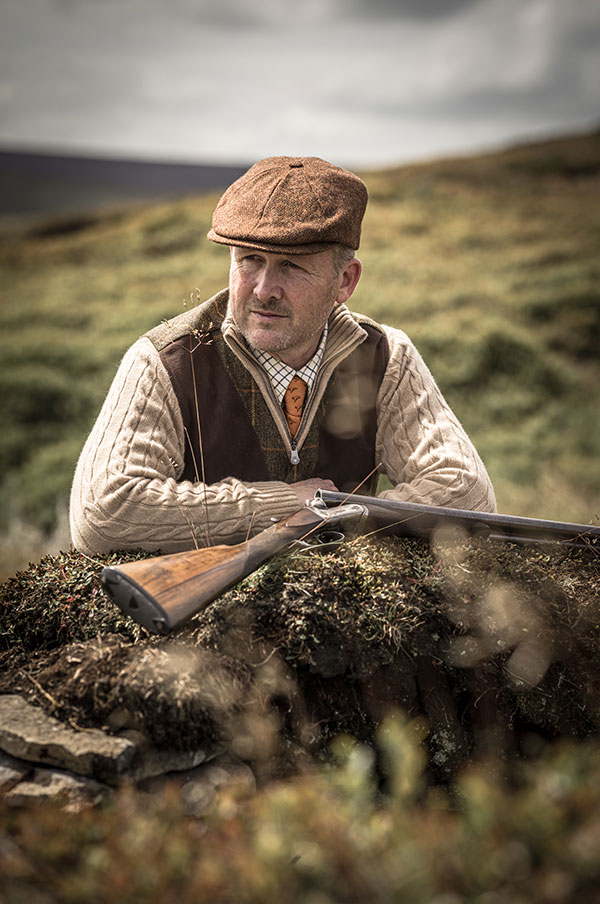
126	493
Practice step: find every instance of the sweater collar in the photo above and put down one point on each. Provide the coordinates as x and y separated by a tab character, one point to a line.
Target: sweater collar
343	333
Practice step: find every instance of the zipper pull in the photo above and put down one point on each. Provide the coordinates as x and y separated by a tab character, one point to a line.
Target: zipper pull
294	457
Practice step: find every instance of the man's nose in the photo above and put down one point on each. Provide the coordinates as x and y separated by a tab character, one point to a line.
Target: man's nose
267	285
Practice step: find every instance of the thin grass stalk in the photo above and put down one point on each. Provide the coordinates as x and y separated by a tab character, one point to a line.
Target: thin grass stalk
200	444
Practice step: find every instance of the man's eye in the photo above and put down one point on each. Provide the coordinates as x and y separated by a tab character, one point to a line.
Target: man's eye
290	265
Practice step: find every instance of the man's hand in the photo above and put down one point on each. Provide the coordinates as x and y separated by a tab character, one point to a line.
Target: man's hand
306	489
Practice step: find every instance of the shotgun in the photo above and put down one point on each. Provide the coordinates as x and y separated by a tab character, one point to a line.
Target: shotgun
163	592
418	520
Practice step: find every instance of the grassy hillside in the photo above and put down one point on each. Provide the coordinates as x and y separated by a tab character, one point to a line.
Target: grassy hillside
491	264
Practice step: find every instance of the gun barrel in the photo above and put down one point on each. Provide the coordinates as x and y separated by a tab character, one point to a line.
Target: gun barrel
417	519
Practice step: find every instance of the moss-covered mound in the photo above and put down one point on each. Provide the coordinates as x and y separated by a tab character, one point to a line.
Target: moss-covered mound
495	646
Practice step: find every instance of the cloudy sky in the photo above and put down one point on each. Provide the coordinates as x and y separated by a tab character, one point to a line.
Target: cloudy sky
360	82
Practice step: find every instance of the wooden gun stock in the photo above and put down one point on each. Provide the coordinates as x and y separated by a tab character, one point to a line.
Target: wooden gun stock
164	592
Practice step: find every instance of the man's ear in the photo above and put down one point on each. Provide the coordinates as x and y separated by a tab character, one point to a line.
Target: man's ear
349	278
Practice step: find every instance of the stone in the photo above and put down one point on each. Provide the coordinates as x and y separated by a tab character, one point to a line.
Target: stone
12	771
203	784
54	783
151	762
158	762
28	733
200	786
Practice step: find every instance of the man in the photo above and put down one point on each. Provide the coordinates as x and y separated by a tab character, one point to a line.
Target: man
231	415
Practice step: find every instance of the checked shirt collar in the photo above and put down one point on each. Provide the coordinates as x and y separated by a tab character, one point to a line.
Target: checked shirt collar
280	374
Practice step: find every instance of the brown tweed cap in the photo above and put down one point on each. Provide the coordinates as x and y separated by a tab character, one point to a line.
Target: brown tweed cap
291	205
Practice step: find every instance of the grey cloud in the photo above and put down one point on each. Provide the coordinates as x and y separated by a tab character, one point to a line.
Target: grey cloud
424	10
340	77
220	13
561	98
242	14
583	34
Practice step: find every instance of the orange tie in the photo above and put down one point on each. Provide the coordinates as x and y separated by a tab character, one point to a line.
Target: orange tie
293	402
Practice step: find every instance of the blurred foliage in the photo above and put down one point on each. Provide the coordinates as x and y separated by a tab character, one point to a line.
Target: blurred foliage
329	837
490	264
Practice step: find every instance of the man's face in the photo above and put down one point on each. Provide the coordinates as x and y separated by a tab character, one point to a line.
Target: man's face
280	303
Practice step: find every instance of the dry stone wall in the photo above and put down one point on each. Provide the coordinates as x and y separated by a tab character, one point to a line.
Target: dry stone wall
41	757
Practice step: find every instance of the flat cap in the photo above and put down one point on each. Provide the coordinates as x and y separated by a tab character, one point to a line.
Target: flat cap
291	205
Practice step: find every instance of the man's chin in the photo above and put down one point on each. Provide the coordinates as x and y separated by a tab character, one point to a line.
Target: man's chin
267	340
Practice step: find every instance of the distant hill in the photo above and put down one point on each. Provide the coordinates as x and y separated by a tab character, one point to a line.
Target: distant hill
33	184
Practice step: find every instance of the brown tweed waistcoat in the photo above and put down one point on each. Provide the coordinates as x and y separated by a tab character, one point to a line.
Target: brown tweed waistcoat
229	429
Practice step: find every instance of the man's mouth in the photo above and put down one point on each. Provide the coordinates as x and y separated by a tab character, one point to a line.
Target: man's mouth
266	315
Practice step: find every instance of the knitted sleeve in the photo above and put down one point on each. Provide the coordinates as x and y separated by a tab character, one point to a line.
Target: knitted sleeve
125	492
424	450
